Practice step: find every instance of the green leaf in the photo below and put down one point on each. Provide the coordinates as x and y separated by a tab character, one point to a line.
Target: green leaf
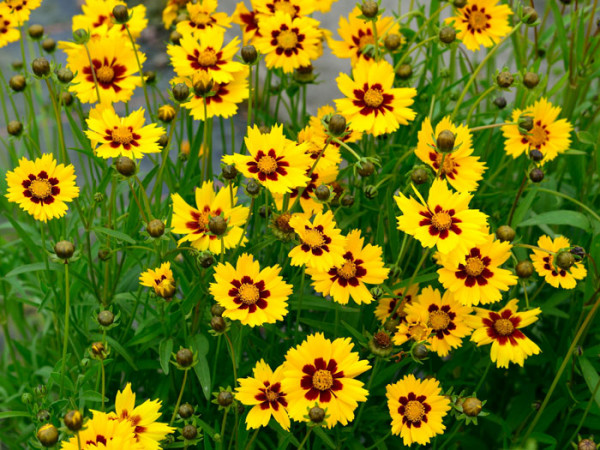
560	217
116	234
203	374
164	351
92	396
9	414
591	377
586	137
35	267
324	438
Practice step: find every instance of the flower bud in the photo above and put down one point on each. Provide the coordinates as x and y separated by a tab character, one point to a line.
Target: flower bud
404	71
73	420
505	233
81	36
156	228
163	140
120	14
64	249
252	188
206	260
459	3
203	85
536	175
217	225
500	102
447	35
98	350
225	398
66	98
17	83
418	175
323	193
347	200
14	128
49	45
104	254
126	166
184	357
189	432
218	324
524	269
229	172
217	310
106	318
48	435
445	141
40	390
166	113
35	32
181	92
16	65
186	411
526	123
420	352
365	168
150	76
337	125
578	253
369	8
505	79
536	155
586	444
43	415
472	406
64	75
391	325
392	41
530	15
371	192
316	414
531	80
565	260
249	54
376	292
175	37
26	398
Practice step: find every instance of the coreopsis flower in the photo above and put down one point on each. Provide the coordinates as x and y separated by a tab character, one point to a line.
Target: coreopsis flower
103	432
357	34
41	187
113	136
114	65
248	22
543	262
148	431
205	52
276	162
321	242
288	43
415	327
328	156
445	317
203	15
160	279
249	294
445	220
502	329
292	8
263	393
324	6
21	9
99	12
363	265
479	279
172	9
417	408
549	135
193	222
316	122
223	100
372	104
394	308
324	372
481	22
462	170
9	31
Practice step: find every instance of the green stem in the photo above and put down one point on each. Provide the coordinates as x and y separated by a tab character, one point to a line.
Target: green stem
66	331
362	405
251	441
578	203
165	157
139	64
516	201
185	372
305	439
93	70
232	354
250	122
103	381
487	92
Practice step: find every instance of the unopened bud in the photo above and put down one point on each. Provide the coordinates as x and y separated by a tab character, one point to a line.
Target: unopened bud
184	357
249	54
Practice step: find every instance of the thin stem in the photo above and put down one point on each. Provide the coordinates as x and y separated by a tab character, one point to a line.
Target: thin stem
223	425
577	202
251	441
347	147
305	439
518	196
165	158
66	332
362	405
185	372
139	64
93	70
103	381
250	122
232	354
56	108
375	39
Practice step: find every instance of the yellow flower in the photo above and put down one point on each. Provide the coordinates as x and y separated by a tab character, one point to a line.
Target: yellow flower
324	372
292	8
363	264
205	52
42	187
315	145
172	9
357	33
193	222
115	67
276	162
113	136
160	279
263	392
248	22
479	279
99	12
21	9
462	170
445	317
288	43
249	294
372	104
324	5
502	329
148	432
9	31
417	409
445	220
545	267
102	432
321	242
203	15
549	135
387	309
481	22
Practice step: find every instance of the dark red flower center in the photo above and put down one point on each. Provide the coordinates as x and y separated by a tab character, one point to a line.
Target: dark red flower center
413	409
315	240
271	396
40	188
441	320
503	327
249	295
287	40
348	273
475	269
321	380
440	222
476	19
372	99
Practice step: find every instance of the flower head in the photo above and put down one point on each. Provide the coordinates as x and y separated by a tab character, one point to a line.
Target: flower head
395	307
42	188
193	221
9	31
544	264
263	392
481	22
97	13
248	22
102	432
462	170
160	279
249	294
502	329
203	15
549	135
21	9
372	104
323	372
417	409
292	8
172	9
